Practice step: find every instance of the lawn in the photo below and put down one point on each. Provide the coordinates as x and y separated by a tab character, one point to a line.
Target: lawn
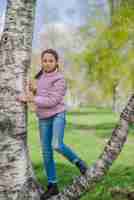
87	131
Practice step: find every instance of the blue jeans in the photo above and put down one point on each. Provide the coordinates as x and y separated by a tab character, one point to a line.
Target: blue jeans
52	136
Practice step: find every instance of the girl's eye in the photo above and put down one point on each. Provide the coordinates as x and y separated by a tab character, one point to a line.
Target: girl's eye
48	61
51	61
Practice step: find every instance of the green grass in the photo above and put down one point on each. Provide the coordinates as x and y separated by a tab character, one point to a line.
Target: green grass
87	131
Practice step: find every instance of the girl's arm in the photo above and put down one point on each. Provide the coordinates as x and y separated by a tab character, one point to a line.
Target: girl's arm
26	98
30	91
53	97
32	86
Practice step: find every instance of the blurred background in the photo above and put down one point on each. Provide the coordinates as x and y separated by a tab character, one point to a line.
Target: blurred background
94	39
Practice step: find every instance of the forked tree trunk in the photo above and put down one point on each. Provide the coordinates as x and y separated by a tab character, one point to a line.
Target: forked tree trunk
17	180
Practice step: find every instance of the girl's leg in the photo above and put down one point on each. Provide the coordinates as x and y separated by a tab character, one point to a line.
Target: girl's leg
58	137
45	126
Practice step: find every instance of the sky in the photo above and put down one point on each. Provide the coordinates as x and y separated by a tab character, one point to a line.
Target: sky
72	12
67	12
2	12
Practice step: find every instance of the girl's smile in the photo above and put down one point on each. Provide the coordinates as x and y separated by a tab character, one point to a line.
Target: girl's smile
49	62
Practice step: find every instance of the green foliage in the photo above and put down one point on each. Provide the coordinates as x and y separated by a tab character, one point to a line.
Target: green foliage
110	58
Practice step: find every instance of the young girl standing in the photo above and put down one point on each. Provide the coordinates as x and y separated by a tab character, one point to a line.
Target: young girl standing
50	108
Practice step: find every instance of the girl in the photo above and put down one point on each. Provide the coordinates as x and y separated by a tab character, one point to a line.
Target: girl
50	108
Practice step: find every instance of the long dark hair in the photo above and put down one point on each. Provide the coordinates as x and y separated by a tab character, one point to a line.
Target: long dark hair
54	53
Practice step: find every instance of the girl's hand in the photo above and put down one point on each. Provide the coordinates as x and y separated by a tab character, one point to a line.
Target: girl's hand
32	86
22	99
30	97
25	98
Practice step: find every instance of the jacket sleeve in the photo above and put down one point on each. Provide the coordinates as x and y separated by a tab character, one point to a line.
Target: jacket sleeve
52	97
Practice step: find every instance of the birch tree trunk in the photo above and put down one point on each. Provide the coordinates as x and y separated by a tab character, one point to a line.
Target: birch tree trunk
114	4
17	179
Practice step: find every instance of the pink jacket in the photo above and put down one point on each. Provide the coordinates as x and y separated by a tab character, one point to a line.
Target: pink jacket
49	99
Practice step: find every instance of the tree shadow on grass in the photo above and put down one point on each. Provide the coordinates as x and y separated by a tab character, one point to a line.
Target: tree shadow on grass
90	111
78	113
65	174
102	130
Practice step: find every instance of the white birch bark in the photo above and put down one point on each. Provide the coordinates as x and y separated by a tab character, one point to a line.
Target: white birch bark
17	180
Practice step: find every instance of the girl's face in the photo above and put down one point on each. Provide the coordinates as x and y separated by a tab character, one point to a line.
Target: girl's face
48	62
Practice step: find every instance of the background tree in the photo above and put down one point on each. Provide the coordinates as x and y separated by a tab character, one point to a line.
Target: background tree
109	57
